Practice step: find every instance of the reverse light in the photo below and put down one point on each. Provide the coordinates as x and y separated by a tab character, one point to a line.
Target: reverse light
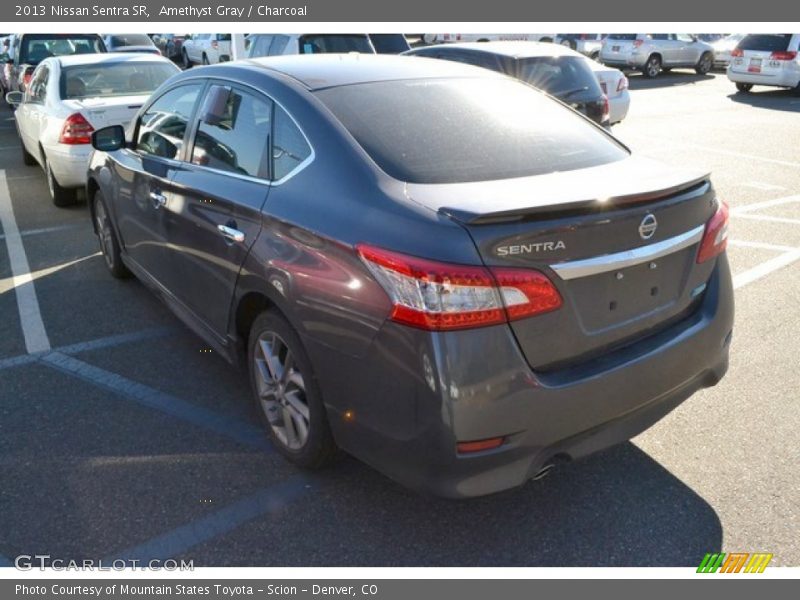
715	238
76	130
443	296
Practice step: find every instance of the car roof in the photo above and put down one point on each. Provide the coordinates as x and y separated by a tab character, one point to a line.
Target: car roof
515	49
107	57
318	71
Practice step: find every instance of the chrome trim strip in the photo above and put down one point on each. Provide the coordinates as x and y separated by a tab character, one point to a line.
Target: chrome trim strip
627	258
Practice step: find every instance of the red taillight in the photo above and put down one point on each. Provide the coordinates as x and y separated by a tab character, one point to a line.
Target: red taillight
786	55
737	52
623	84
443	296
715	238
26	77
479	445
637	43
76	130
214	44
606	108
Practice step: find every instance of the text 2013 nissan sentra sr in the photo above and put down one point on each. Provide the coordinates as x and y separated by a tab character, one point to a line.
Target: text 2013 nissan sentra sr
433	267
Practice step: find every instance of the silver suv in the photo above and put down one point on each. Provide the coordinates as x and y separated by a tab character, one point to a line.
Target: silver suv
652	53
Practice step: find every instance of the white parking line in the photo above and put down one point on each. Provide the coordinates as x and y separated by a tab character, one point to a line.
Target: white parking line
757	185
748	208
12	282
762	246
765	268
770	218
30	316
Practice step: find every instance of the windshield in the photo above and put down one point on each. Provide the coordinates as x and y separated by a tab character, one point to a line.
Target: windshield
457	130
559	75
625	37
318	44
114	79
34	48
767	42
130	39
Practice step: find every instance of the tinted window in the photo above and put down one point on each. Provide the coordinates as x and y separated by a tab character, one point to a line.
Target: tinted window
259	46
130	39
236	140
114	79
562	76
389	43
278	44
629	37
768	42
290	147
224	37
161	129
320	43
38	46
455	130
660	36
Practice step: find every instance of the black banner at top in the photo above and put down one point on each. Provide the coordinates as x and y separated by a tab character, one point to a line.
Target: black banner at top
444	11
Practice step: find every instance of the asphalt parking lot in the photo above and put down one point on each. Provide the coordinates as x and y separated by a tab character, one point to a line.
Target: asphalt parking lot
122	436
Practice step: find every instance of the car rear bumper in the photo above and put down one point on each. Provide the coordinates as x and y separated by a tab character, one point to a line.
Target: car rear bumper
633	61
421	393
785	78
618	107
69	163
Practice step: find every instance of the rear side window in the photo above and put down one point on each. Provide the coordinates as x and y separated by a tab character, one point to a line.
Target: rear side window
767	42
238	140
458	130
558	75
623	37
161	129
290	148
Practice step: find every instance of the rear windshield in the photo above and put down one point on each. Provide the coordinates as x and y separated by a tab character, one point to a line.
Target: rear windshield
458	130
629	37
34	48
389	43
131	39
769	42
561	76
114	79
321	43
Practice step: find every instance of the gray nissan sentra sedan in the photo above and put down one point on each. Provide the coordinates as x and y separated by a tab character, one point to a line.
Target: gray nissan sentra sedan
436	268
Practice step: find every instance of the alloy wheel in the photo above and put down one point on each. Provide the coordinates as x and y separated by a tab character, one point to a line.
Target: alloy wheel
281	391
104	233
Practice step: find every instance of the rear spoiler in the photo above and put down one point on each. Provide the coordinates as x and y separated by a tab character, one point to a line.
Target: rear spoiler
700	185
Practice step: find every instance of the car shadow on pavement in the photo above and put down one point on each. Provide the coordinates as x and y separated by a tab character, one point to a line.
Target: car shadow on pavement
773	99
616	508
637	81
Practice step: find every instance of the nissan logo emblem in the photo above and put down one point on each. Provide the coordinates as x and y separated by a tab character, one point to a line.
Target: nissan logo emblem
648	226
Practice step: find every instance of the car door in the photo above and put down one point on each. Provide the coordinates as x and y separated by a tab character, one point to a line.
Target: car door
144	175
665	45
220	191
690	50
31	113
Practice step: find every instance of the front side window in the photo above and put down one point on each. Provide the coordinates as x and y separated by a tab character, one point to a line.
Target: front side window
237	138
290	147
161	130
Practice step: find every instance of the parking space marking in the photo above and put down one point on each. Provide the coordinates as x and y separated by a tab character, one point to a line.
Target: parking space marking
767	187
17	361
762	246
33	330
12	282
755	206
116	340
765	268
235	429
41	230
269	500
769	218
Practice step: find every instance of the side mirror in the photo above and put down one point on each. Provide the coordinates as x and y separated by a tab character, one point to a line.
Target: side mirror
109	139
14	98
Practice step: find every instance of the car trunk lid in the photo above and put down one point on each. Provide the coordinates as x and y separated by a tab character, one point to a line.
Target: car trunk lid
105	111
621	249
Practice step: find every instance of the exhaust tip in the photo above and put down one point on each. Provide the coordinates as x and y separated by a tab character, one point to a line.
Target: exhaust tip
543	472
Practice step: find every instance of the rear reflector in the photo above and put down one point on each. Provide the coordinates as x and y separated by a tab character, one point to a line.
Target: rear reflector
76	130
478	446
715	238
443	296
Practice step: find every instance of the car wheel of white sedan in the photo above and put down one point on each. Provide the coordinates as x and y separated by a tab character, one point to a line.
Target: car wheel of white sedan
61	196
652	67
744	87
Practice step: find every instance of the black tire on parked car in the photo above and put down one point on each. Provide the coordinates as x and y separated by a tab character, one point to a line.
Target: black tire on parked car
652	67
704	64
286	393
109	245
61	196
744	87
28	159
187	64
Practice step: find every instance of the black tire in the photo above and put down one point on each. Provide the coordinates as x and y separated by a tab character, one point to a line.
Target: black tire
187	64
314	448
652	67
595	56
705	64
28	159
205	59
60	196
744	87
109	245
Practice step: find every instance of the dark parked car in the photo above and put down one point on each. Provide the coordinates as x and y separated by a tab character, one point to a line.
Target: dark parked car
556	69
130	42
169	44
436	268
29	49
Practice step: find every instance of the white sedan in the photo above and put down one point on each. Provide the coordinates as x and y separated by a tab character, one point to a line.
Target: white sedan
71	96
615	86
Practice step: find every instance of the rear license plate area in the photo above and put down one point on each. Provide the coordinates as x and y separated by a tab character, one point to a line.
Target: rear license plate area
755	65
615	48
